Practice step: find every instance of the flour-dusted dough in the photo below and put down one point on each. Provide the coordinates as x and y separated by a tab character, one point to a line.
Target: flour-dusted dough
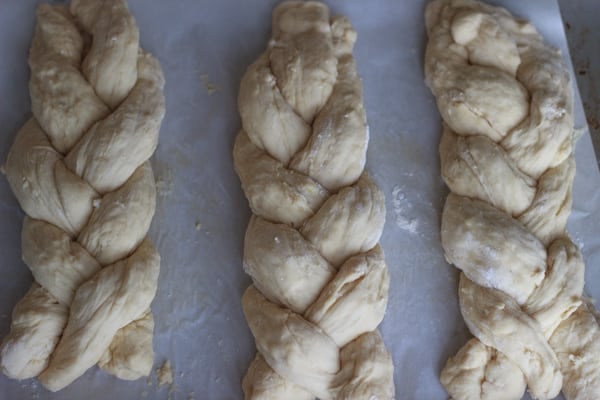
79	169
320	282
507	156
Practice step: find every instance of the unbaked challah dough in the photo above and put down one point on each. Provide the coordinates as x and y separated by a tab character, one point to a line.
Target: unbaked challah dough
79	169
320	282
507	156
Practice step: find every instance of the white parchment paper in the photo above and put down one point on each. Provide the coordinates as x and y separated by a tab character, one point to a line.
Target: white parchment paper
202	213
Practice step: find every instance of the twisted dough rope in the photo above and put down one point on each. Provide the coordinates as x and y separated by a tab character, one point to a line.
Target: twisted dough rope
320	279
80	171
507	157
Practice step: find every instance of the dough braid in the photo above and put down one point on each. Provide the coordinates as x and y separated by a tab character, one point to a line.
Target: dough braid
320	282
79	169
507	157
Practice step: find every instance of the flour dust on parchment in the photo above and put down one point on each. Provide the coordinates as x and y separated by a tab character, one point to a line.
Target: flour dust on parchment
164	181
402	211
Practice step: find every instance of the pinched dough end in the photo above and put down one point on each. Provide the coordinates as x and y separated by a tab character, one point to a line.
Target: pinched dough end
480	372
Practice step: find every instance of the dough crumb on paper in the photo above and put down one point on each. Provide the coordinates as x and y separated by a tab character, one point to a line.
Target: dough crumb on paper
210	87
164	374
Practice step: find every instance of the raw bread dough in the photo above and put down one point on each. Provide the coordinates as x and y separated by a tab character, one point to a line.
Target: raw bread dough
130	354
507	156
79	169
165	374
320	282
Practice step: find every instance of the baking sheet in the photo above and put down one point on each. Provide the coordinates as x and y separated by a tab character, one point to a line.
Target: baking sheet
202	213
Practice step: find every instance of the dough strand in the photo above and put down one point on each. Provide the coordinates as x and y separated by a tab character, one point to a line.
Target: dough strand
79	169
507	156
320	282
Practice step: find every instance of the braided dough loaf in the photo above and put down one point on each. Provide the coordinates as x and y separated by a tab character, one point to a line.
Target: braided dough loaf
79	169
320	281
507	157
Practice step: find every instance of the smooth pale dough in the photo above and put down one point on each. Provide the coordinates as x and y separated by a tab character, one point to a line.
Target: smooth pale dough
273	191
481	241
44	187
283	265
37	323
365	356
57	77
79	169
354	301
116	296
507	156
349	222
292	346
474	166
320	281
56	262
497	321
129	139
262	383
109	58
111	232
339	131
